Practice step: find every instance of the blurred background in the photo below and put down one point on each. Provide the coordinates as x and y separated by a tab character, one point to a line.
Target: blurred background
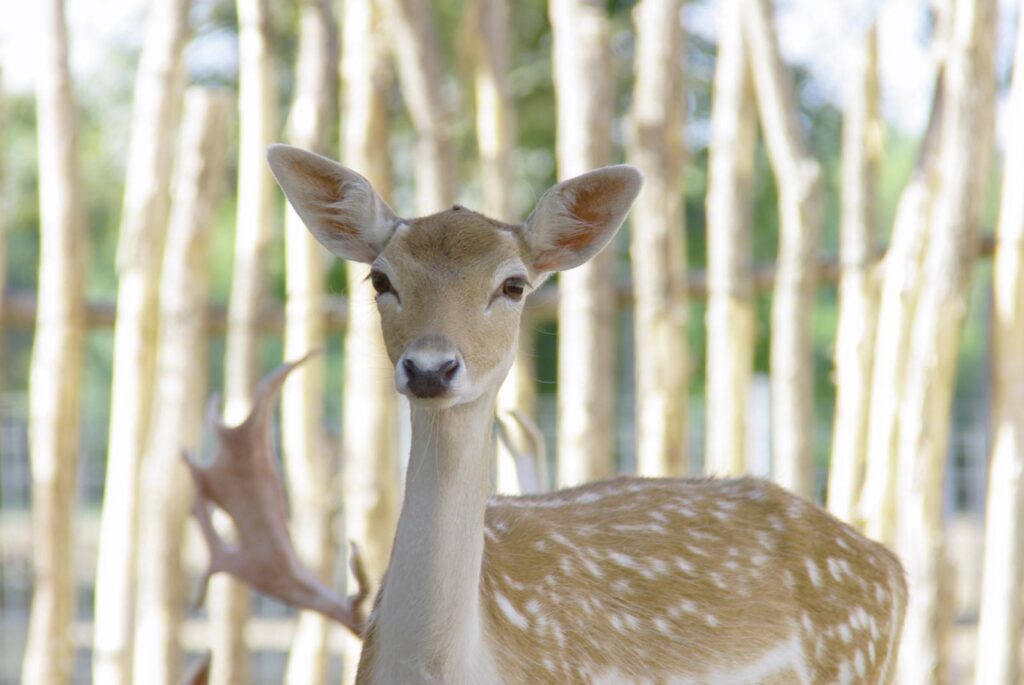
821	283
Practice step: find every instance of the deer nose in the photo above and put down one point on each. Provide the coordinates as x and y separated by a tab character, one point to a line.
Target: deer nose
427	378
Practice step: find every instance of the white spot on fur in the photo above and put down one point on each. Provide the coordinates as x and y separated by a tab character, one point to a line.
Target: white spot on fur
592	567
624	560
812	571
514	617
785	657
703	535
684	606
845	676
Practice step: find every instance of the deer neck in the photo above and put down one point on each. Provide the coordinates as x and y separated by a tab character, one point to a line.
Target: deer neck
428	625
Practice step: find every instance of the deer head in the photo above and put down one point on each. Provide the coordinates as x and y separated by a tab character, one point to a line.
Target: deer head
450	286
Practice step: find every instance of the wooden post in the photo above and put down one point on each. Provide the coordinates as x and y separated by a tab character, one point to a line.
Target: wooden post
967	131
858	300
658	241
181	386
306	454
413	41
581	57
3	228
158	90
900	281
257	111
370	404
487	33
57	352
798	176
730	312
369	431
999	628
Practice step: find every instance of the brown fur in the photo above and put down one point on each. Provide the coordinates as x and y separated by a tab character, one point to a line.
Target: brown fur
745	546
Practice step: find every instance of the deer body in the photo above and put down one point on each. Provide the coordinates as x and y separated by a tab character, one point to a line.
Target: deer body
623	581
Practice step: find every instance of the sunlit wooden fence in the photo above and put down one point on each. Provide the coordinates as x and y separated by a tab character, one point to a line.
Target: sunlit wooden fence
916	466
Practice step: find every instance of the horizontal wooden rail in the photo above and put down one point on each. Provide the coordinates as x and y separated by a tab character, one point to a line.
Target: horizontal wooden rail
19	309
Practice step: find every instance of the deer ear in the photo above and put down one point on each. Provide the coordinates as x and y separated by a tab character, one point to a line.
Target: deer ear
576	218
338	206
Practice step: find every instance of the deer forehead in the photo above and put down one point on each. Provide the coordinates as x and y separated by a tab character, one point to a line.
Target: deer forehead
457	244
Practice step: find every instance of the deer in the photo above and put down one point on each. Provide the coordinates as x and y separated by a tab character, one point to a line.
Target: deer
627	580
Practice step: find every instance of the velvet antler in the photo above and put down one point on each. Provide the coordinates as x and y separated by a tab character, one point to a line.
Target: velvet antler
242	479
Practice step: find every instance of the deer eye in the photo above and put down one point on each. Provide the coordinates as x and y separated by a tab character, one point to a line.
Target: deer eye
513	288
381	283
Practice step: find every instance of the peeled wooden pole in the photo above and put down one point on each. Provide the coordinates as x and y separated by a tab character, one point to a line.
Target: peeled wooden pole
658	240
964	158
487	33
900	273
900	282
369	415
369	430
56	367
798	176
3	261
858	292
229	600
999	628
3	224
157	103
418	60
730	314
586	309
166	488
305	452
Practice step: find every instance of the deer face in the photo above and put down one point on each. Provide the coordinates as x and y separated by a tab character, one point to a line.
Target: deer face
450	286
450	291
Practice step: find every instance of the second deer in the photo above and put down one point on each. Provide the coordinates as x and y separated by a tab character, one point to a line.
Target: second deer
623	581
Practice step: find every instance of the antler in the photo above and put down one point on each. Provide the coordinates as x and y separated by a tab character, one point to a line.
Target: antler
524	441
243	480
